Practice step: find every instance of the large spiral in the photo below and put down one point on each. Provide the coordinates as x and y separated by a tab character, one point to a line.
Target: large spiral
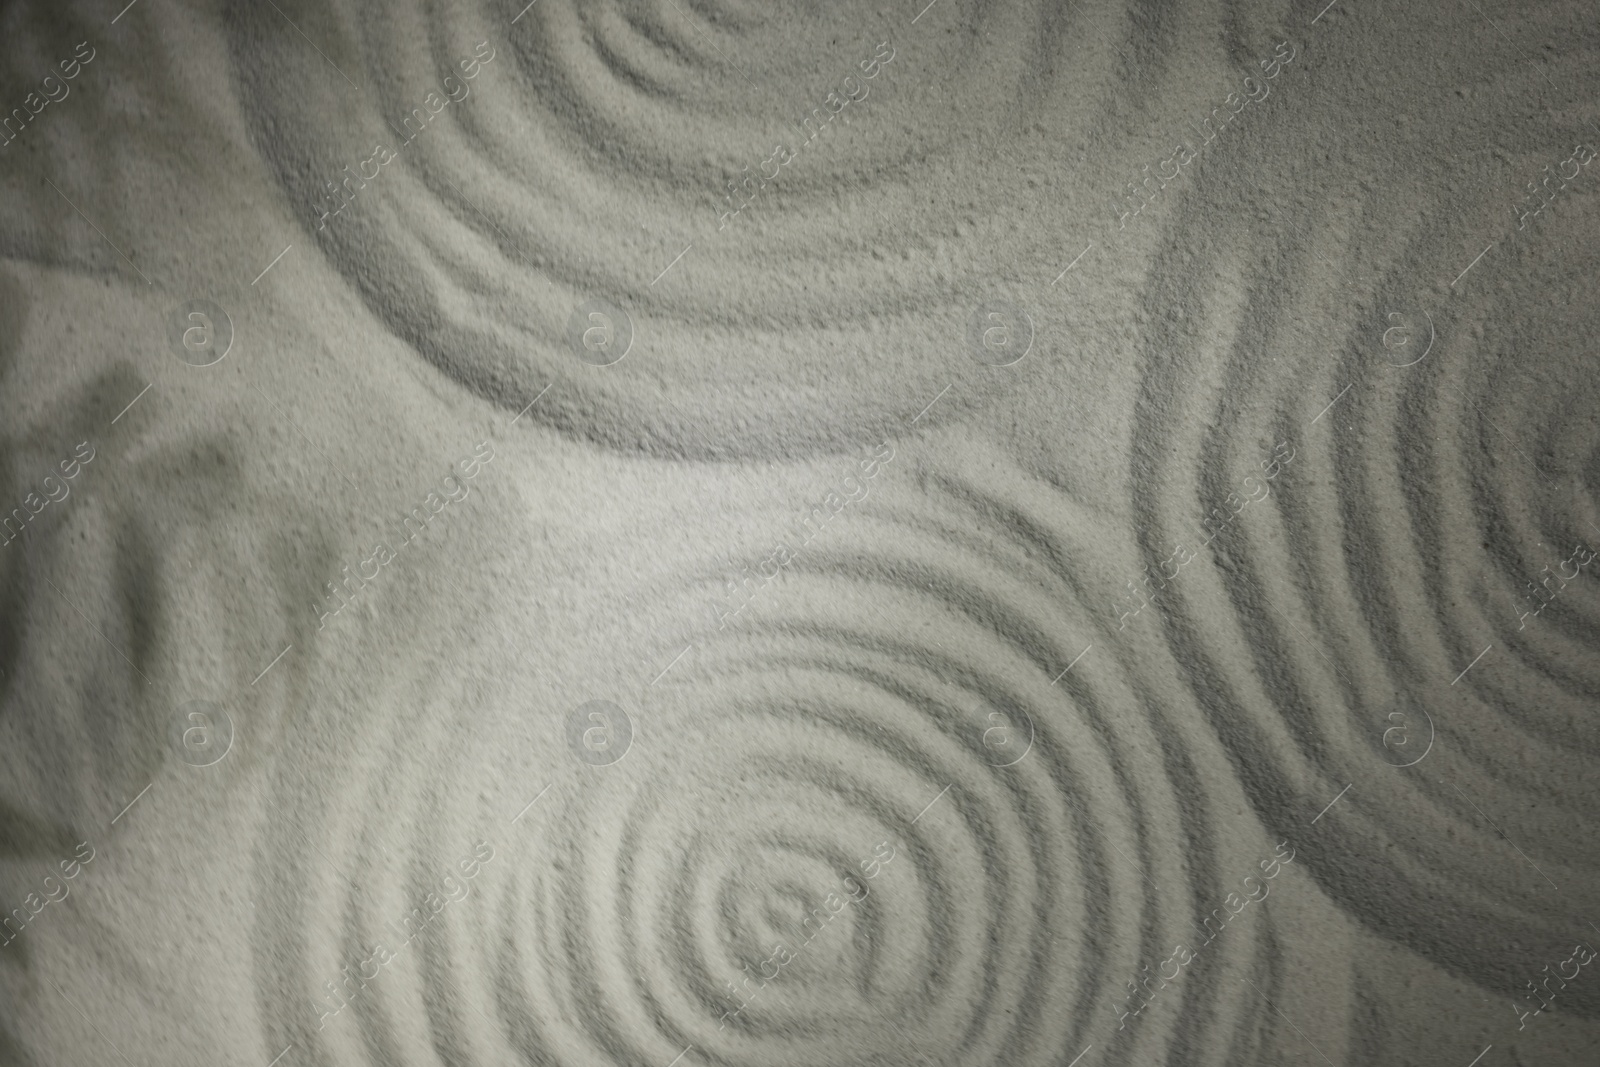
1386	613
586	169
899	817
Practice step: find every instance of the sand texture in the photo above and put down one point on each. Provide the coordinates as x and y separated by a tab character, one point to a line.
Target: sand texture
701	533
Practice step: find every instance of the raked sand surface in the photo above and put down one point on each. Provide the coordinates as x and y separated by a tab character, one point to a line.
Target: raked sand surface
698	532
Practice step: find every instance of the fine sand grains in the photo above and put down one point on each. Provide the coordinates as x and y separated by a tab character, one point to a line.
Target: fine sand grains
1017	534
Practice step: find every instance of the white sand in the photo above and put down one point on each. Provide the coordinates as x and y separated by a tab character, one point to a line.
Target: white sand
1273	543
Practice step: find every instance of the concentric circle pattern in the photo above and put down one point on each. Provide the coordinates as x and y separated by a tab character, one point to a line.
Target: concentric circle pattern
1347	529
1409	608
1234	534
810	854
727	175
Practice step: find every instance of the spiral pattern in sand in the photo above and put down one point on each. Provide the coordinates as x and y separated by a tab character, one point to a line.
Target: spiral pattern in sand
591	159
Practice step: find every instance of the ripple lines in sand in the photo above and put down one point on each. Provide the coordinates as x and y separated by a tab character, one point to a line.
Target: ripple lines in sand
1215	523
1232	907
835	105
848	489
1054	822
343	192
455	89
832	905
412	925
1542	595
